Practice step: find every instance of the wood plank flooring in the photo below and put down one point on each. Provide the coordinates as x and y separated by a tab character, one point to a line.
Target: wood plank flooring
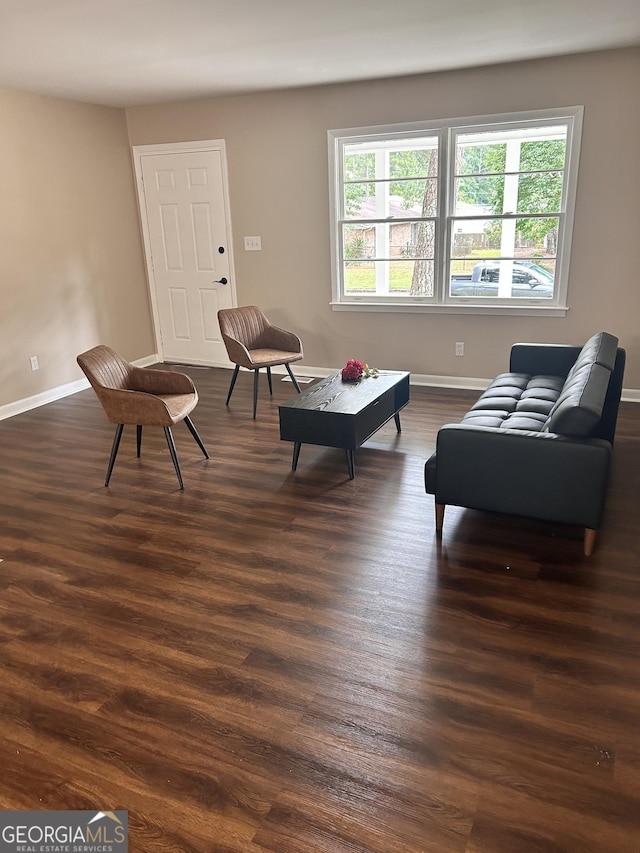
270	662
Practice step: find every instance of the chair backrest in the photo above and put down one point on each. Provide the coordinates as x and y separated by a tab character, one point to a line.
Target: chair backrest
104	368
246	324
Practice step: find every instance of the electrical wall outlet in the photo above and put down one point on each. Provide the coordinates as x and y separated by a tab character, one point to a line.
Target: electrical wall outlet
459	347
252	244
34	362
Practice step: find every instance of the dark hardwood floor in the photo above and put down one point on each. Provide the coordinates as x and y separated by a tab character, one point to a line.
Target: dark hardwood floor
270	662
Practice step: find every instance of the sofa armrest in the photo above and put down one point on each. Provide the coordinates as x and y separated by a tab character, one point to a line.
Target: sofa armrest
543	359
535	474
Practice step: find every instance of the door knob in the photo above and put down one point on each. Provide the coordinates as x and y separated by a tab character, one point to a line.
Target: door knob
222	280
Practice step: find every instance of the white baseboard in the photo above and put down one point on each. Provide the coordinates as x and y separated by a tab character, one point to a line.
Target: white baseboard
52	394
28	403
630	395
463	383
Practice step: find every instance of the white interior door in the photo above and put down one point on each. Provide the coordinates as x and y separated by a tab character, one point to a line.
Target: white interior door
186	225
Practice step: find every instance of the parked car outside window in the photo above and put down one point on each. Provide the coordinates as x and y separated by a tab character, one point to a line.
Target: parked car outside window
528	280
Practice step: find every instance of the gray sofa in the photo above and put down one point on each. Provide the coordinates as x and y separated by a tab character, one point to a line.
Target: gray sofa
538	442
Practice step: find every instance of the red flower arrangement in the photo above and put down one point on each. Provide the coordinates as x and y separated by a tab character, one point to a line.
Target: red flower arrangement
353	370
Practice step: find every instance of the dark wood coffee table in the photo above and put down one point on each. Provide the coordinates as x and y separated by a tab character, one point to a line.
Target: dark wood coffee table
333	413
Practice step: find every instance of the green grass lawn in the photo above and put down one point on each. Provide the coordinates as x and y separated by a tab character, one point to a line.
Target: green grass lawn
364	280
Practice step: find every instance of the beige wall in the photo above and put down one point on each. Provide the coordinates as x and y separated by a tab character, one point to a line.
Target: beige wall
72	270
277	153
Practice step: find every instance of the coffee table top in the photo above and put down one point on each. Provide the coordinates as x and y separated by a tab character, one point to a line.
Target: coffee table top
348	398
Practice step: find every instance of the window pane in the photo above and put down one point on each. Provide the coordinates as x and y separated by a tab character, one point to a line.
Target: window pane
357	242
414	161
390	278
494	278
413	198
516	149
359	277
358	198
540	192
390	199
545	268
388	240
547	153
470	238
537	192
473	157
515	238
479	195
412	239
358	167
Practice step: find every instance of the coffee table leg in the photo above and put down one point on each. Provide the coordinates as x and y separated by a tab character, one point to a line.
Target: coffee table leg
397	420
350	463
296	453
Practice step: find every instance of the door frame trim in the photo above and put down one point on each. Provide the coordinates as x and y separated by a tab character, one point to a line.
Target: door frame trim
138	152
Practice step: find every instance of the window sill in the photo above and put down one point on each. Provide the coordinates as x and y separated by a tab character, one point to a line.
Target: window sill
462	308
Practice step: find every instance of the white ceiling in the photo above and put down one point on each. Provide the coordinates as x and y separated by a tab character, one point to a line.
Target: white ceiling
130	52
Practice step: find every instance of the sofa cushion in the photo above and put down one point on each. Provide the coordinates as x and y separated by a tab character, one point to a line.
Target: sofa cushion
516	401
540	395
579	406
601	349
496	403
485	418
529	421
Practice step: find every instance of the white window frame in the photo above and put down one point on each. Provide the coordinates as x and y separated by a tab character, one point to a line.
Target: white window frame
445	129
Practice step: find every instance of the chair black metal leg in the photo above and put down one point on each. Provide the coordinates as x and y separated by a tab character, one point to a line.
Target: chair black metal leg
293	378
114	451
270	382
138	439
256	374
174	455
194	433
233	382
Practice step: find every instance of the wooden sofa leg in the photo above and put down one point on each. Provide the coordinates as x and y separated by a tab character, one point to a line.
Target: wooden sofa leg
439	517
589	541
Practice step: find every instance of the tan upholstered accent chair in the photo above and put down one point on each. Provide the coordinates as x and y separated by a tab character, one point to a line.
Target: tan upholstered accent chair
140	396
253	342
